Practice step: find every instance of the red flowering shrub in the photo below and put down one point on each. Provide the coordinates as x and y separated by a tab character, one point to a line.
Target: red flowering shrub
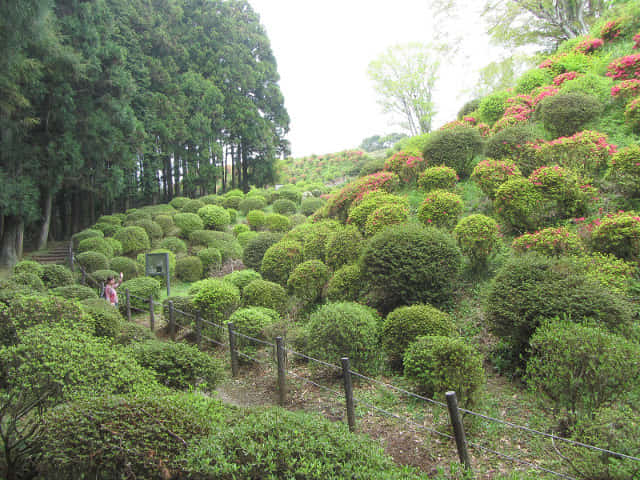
553	242
489	174
626	89
563	193
406	166
625	68
618	234
589	45
611	30
636	40
542	92
584	152
440	209
632	114
625	170
564	77
442	177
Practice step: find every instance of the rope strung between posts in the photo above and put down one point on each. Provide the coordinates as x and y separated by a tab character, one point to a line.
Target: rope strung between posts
302	355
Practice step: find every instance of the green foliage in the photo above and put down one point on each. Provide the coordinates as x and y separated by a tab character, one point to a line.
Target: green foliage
489	174
440	208
215	298
552	242
586	153
141	287
284	206
564	194
134	215
133	239
344	329
253	321
492	107
280	259
106	318
242	278
405	324
188	223
532	79
177	365
504	143
308	279
84	234
178	202
455	148
108	229
385	216
202	237
288	192
438	364
469	107
567	113
232	201
180	304
174	244
411	264
262	293
214	217
28	266
597	86
29	280
233	215
211	259
478	236
192	206
189	269
245	237
618	234
346	284
438	178
581	368
96	244
519	204
92	261
115	245
56	275
240	228
310	205
315	238
362	208
607	270
343	247
256	219
277	223
125	265
256	247
254	202
625	170
632	114
226	243
153	229
75	292
166	223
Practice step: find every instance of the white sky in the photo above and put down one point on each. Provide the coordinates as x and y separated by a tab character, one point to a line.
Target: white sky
323	49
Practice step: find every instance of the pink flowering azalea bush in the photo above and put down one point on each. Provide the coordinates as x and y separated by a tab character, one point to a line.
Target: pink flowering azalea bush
589	45
440	209
406	166
632	114
624	170
625	68
478	236
626	89
611	30
565	77
489	174
585	152
441	177
553	242
636	41
619	235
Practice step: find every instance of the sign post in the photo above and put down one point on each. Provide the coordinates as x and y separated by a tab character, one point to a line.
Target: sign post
157	265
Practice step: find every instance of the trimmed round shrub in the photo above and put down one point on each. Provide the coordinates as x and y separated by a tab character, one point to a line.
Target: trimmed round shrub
212	199
308	279
177	365
505	144
232	201
440	209
405	324
254	202
552	242
438	364
96	244
581	368
179	202
233	215
75	292
92	261
531	288
280	259
153	229
492	107
240	228
116	245
166	223
384	216
625	170
203	237
262	293
56	275
108	229
519	204
192	206
405	165
567	113
227	244
174	244
343	247
288	192
110	219
188	223
345	329
245	237
211	259
28	266
619	235
256	219
370	202
125	265
142	288
253	321
565	196
256	248
277	223
468	108
106	318
214	217
609	271
189	269
411	264
27	279
242	278
135	215
532	79
316	237
371	166
133	239
586	153
184	310
489	174
88	233
340	202
215	298
346	284
632	115
310	204
438	178
284	207
478	236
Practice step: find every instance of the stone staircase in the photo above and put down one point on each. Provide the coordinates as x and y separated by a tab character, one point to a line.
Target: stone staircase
58	253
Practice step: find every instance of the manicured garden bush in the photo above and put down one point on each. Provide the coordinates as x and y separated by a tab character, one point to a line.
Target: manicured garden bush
504	144
110	219
202	238
277	223
363	207
567	113
29	280
532	79
406	166
188	223
134	215
184	310
211	259
343	247
108	229
256	248
254	202
308	279
153	229
438	178
625	170
489	174
440	208
262	293
411	264
174	244
581	368
519	204
405	324
133	239
586	152
346	284
166	223
107	320
212	199
88	233
553	242
624	68
215	298
492	107
75	292
455	148
125	265
140	290
632	115
232	202
56	275
178	202
345	329
564	194
438	364
96	244
192	206
256	219
284	207
619	235
226	243
177	365
92	261
245	237
288	192
253	321
478	236
115	245
310	205
28	266
242	278
240	228
189	269
385	216
214	217
280	259
315	238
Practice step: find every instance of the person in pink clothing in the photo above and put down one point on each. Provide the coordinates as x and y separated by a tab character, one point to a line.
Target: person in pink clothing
110	289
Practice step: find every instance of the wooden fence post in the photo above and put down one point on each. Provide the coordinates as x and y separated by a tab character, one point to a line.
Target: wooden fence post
152	314
199	329
72	266
458	430
282	385
172	321
348	393
127	296
232	350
